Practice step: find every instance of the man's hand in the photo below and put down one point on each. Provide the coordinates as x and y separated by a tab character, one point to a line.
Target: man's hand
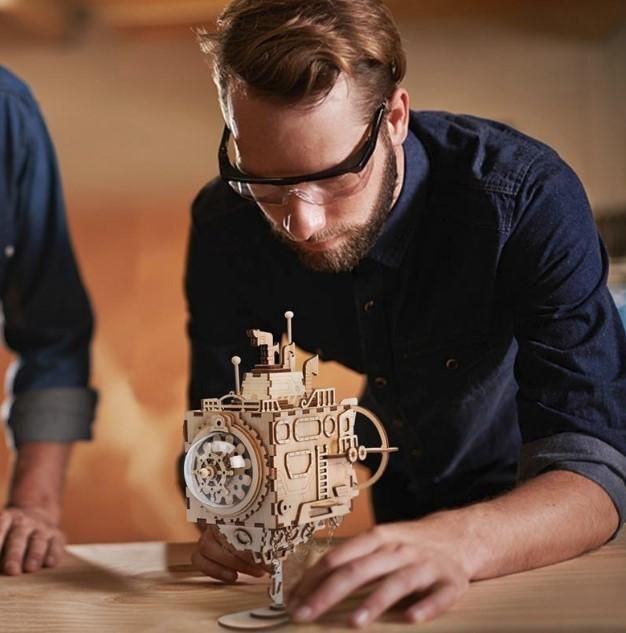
554	516
29	535
407	560
29	540
216	558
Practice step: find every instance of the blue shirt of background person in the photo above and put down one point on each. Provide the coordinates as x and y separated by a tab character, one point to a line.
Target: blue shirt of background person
47	323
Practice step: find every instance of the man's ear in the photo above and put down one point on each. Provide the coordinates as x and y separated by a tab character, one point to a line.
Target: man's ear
398	116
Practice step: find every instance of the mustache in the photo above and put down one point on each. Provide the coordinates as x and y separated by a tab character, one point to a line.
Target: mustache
322	236
329	234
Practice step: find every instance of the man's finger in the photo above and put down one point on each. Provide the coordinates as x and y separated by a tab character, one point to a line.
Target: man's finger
6	520
440	599
405	581
56	546
220	539
212	568
214	551
14	548
357	548
36	549
345	580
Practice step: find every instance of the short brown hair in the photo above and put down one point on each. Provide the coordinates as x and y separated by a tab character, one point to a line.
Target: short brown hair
294	50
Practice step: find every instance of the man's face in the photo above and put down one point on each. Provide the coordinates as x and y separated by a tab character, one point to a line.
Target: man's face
276	140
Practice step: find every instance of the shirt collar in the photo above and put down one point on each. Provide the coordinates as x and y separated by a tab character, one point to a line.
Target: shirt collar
397	232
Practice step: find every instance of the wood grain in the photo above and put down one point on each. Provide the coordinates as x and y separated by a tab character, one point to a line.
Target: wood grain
152	588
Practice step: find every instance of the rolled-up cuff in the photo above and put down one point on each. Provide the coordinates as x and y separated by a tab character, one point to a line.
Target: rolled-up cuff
62	414
582	454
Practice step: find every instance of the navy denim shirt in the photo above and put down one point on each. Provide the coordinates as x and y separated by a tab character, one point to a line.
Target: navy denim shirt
481	318
47	316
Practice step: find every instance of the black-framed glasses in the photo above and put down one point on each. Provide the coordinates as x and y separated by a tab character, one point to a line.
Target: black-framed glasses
320	187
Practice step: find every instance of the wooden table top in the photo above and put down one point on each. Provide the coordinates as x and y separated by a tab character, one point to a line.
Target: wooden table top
151	588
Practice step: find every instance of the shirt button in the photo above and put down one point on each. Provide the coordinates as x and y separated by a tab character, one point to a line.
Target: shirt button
416	452
368	306
380	382
397	424
452	363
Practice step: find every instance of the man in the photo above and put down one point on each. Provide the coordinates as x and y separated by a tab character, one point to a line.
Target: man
453	261
48	324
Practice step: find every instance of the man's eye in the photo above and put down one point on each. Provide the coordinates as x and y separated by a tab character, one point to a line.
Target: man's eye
337	182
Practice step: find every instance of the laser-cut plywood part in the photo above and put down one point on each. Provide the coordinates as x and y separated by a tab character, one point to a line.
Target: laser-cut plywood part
273	461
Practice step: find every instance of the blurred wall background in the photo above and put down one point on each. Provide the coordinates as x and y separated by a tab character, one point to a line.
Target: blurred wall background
130	105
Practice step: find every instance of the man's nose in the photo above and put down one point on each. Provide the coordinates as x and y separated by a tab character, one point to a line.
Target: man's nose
303	219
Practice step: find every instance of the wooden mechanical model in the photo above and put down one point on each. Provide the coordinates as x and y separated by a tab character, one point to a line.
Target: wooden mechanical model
273	461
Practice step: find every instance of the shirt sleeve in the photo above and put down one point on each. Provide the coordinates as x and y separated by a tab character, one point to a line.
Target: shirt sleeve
571	362
47	316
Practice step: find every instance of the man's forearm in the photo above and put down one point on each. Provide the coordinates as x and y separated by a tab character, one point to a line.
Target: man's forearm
552	517
39	477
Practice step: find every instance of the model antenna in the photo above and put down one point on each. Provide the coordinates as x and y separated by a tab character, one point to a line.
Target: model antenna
235	360
289	316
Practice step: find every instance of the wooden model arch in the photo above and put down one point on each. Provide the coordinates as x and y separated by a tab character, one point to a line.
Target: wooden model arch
384	449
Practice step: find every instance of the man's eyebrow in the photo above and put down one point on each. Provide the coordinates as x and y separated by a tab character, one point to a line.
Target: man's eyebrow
287	174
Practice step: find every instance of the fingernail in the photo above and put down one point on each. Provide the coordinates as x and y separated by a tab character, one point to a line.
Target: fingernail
303	614
418	615
361	617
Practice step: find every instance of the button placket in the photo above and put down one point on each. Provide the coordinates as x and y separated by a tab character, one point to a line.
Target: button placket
380	382
370	290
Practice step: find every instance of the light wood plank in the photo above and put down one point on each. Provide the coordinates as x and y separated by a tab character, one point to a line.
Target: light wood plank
151	587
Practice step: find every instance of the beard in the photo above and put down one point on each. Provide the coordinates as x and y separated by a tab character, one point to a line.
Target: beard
358	238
